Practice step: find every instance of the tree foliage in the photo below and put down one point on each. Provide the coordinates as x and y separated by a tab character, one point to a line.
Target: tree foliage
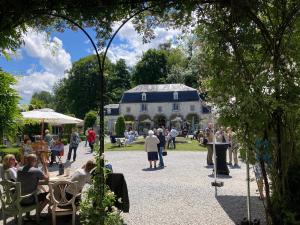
90	119
152	68
253	78
120	126
118	81
43	99
9	112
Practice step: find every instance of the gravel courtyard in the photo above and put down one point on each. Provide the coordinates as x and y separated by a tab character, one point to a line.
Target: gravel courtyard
181	193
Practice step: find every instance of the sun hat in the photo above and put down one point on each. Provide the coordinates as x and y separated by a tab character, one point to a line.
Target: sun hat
150	132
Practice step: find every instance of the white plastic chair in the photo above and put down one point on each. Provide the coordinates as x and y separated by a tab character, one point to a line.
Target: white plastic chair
60	205
10	195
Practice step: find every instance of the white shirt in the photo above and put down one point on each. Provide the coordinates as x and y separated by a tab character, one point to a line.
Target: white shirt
173	133
11	174
82	177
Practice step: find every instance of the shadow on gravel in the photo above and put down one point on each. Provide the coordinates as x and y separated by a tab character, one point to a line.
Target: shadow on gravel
236	208
220	176
152	169
209	166
45	220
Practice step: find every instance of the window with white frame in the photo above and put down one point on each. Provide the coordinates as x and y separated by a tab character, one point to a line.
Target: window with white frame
176	107
192	108
144	97
175	95
159	109
144	107
128	109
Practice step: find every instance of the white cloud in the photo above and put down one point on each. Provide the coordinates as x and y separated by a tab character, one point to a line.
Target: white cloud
132	45
51	57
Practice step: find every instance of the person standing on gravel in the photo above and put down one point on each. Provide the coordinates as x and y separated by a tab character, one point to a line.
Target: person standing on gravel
74	142
161	146
209	138
151	142
91	138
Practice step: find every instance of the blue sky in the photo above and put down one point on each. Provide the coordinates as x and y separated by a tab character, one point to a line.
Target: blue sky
43	60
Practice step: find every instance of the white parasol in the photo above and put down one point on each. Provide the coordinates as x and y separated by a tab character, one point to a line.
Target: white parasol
50	116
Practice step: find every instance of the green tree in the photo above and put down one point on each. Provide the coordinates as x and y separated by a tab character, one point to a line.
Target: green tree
90	119
43	99
249	67
118	81
152	68
120	126
61	99
9	112
79	93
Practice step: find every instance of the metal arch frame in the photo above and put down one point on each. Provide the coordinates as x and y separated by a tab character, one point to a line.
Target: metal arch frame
101	65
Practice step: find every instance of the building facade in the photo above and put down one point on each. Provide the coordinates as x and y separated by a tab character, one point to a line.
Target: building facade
150	106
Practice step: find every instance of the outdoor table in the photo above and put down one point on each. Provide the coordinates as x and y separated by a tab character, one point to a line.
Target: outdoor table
221	150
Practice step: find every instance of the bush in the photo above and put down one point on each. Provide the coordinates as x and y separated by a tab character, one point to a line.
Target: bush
15	151
82	137
65	141
90	119
120	126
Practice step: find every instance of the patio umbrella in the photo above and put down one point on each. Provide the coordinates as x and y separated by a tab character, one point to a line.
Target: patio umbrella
50	116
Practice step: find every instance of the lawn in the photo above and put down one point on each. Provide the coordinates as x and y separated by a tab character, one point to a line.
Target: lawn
11	150
182	145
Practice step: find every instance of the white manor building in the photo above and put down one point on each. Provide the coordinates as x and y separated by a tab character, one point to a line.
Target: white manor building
151	106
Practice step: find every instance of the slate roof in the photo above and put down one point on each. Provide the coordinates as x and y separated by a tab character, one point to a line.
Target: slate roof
160	93
159	88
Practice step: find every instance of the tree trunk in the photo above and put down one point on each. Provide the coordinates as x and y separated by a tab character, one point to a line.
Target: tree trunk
1	135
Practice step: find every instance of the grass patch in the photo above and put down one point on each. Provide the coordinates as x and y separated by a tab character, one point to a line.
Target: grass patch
189	145
12	150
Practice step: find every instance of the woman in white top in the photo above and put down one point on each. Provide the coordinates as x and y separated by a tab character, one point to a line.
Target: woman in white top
151	142
10	167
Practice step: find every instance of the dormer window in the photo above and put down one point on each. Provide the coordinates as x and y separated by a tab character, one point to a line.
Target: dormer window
175	95
144	97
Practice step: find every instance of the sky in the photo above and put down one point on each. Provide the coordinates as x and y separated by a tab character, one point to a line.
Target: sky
44	59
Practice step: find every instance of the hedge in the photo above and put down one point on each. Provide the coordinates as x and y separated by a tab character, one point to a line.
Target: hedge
16	151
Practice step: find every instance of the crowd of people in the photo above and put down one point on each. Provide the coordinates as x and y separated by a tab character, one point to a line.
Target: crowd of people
32	178
222	136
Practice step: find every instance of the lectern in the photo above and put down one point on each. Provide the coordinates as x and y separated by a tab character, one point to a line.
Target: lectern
221	150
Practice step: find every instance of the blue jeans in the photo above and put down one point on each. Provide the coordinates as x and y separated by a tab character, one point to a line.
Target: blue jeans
161	160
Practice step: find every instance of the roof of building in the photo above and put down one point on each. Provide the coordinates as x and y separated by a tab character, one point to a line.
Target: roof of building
159	88
160	93
111	106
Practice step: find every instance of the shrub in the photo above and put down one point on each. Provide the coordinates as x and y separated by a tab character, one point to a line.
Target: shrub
15	151
120	126
90	119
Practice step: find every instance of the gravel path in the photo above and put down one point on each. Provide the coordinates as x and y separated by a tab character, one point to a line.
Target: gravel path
179	194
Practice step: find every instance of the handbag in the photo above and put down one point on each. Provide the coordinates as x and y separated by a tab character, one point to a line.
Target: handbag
164	153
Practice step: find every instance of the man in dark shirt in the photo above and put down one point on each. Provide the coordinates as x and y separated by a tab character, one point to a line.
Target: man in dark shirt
29	177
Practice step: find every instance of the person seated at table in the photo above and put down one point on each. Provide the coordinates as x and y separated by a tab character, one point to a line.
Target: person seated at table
29	176
10	167
26	147
82	176
56	149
